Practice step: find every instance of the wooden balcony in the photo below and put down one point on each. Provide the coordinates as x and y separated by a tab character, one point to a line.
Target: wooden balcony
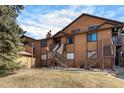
119	40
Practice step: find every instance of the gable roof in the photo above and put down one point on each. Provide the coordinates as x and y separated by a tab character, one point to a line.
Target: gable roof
84	14
24	36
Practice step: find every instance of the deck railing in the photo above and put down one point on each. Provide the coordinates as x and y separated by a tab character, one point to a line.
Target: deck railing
118	39
94	59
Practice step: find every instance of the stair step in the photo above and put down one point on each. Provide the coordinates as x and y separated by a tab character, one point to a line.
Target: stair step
60	59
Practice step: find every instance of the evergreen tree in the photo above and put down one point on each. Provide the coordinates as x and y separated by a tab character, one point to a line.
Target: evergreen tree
10	33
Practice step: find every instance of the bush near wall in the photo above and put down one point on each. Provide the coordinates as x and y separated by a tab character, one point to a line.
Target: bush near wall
9	68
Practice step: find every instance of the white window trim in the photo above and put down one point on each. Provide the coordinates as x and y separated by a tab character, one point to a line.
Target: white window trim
43	57
70	56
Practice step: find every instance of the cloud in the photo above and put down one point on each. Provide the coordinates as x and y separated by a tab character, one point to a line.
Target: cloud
38	23
115	13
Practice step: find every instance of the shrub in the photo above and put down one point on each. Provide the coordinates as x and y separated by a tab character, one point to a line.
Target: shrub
9	67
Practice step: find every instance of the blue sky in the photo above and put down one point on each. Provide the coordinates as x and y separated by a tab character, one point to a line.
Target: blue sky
38	20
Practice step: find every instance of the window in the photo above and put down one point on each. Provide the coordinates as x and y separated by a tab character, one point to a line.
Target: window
91	54
70	56
92	27
75	31
43	43
70	40
43	57
92	37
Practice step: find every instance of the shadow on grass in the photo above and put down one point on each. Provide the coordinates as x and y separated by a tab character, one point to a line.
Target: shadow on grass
4	73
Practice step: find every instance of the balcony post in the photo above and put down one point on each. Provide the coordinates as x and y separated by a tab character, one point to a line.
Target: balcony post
102	57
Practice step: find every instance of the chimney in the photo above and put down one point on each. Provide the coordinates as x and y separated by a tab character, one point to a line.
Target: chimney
49	34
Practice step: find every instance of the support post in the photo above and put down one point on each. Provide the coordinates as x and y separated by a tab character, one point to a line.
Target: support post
102	57
32	54
85	65
114	55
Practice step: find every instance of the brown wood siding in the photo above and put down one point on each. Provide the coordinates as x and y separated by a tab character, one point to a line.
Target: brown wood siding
28	48
80	46
80	49
105	34
63	40
49	42
83	23
37	53
91	46
70	49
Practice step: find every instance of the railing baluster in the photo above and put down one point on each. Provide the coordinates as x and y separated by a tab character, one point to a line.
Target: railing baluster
60	59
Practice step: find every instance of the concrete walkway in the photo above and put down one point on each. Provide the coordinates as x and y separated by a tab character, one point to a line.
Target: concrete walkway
120	72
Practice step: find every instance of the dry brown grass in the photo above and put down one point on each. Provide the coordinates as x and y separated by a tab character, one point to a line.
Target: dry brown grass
62	79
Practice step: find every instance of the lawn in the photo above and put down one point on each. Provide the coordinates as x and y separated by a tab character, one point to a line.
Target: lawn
60	79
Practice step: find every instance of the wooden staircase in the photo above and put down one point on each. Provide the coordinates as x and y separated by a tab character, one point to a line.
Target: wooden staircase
58	57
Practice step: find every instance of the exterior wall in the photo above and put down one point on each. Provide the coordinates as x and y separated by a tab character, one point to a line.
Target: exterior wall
63	40
28	48
80	46
49	42
70	49
49	46
27	39
91	46
83	23
107	26
37	53
108	63
105	35
80	50
27	61
44	51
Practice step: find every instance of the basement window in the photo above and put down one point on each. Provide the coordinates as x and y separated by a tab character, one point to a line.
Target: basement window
70	56
91	54
92	37
43	57
43	43
70	40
